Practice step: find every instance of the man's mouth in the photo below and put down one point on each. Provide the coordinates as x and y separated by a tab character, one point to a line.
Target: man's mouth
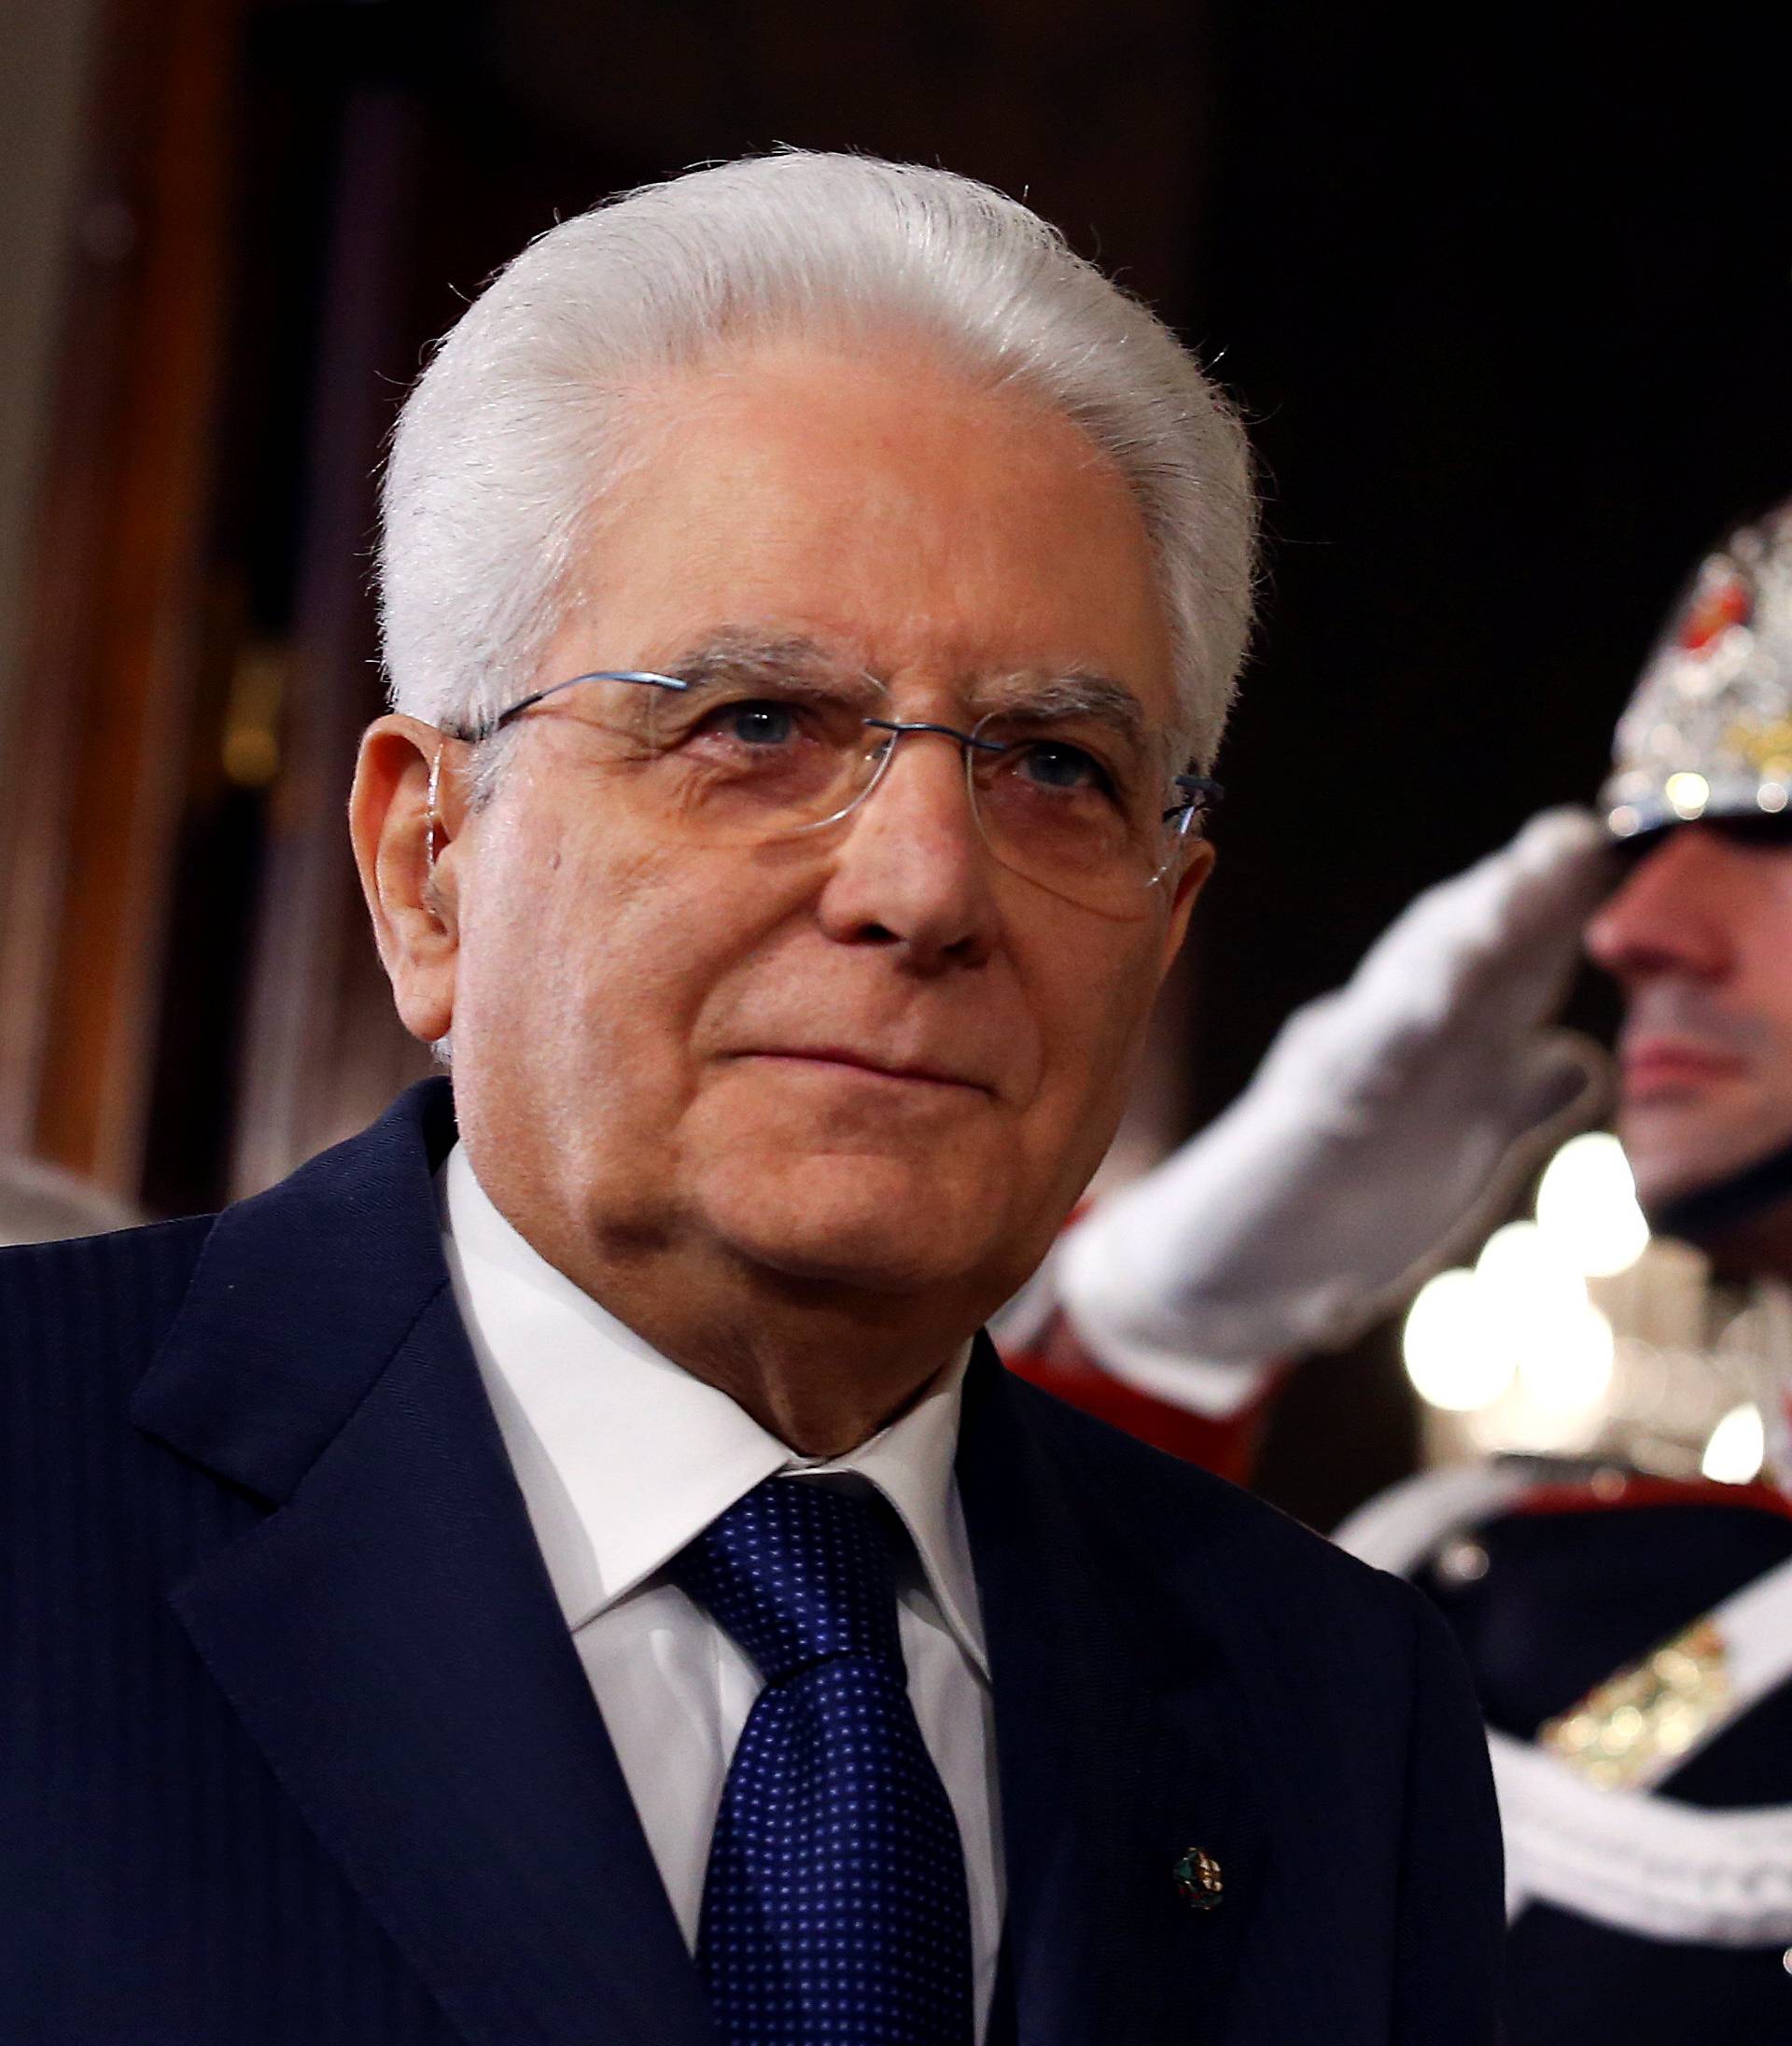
1661	1068
898	1071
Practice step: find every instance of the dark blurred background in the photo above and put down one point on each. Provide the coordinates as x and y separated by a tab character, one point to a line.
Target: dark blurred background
1506	296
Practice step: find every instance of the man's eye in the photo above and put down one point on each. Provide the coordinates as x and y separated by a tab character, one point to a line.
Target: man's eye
755	722
1052	764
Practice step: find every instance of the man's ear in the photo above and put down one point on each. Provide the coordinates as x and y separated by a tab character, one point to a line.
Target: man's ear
404	816
1198	865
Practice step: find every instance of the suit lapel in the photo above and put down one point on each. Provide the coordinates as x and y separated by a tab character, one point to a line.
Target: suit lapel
387	1635
1109	1730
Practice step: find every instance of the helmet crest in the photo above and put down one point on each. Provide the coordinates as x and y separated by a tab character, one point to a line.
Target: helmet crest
1709	730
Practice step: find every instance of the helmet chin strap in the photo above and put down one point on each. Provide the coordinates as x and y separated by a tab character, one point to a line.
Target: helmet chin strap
1708	1212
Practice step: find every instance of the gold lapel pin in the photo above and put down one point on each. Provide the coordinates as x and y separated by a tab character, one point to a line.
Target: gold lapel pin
1199	1883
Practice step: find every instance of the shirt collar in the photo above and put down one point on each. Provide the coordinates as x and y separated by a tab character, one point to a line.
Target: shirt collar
624	1457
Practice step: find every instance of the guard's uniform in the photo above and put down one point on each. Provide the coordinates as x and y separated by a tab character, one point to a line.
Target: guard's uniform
1631	1637
1226	1444
1648	1820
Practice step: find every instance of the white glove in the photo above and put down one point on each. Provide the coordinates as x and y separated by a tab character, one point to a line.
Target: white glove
1389	1120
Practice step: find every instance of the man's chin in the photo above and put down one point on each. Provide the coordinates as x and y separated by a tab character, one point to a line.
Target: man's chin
867	1225
1675	1152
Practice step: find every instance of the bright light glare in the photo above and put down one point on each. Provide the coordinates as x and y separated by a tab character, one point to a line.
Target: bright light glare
1567	1365
1586	1207
1687	793
1522	1314
1523	1278
1533	1304
1737	1448
1449	1359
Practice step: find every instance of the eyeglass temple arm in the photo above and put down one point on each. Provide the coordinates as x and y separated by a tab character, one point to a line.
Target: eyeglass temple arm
1199	793
483	728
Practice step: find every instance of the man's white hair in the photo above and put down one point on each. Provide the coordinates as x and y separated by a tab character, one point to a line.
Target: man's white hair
520	429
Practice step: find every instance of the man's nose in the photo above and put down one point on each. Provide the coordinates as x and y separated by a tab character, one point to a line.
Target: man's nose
911	868
1667	918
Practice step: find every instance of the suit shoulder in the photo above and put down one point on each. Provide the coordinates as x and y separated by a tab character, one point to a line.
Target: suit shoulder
117	1293
1177	1508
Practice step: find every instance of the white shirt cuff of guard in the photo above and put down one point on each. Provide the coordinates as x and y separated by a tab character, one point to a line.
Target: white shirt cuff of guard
1199	1385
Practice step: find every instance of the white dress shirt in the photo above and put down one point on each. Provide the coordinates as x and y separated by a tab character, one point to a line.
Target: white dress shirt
624	1458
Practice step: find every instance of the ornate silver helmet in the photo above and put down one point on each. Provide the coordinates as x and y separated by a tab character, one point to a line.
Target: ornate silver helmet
1709	731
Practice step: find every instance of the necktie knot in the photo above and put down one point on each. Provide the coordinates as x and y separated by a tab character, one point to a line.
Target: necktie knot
798	1574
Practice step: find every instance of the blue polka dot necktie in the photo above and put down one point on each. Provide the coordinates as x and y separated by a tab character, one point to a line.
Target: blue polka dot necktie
835	1908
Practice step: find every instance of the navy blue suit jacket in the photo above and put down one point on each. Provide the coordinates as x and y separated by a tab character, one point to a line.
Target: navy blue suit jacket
296	1748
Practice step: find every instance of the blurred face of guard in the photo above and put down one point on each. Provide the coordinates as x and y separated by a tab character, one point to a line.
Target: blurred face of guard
883	1051
1700	938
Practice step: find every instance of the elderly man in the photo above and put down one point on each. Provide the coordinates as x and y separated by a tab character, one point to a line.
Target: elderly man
564	1566
1632	1636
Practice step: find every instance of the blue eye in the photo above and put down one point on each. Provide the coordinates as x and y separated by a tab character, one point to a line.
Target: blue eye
759	723
1054	765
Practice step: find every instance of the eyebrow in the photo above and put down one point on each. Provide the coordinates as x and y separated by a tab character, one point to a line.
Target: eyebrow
733	652
1081	692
